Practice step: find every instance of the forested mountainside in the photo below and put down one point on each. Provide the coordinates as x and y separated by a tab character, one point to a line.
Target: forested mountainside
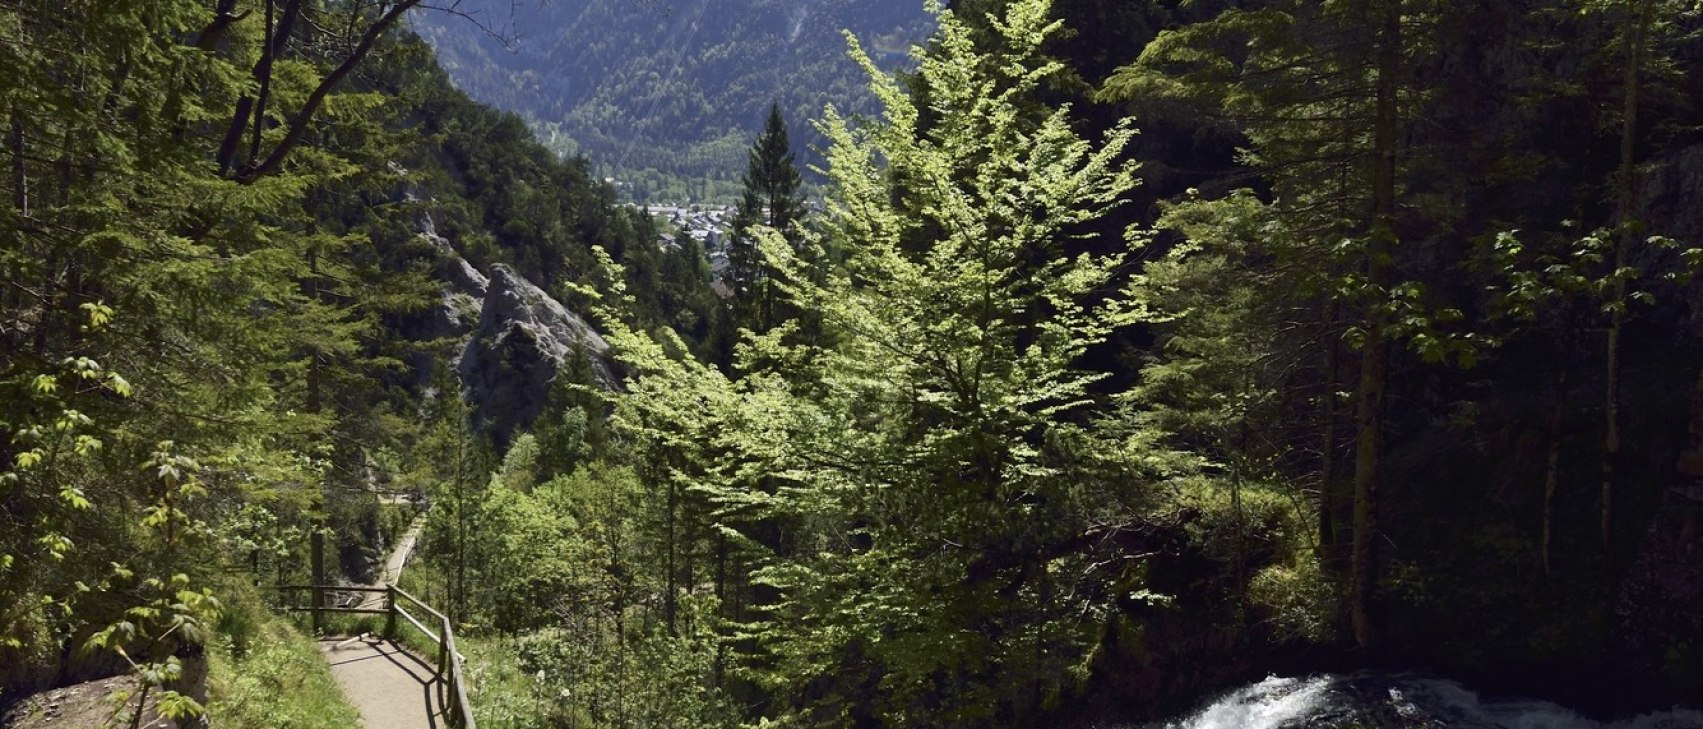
1137	351
237	288
665	96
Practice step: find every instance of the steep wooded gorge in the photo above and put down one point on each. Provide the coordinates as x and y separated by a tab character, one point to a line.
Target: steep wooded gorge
1257	364
664	96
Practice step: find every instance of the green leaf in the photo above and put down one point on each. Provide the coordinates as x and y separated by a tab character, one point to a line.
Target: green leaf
99	314
73	497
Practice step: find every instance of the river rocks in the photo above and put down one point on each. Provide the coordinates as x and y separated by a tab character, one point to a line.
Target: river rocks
512	356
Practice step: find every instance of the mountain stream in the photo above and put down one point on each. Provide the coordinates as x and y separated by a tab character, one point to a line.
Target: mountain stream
1396	701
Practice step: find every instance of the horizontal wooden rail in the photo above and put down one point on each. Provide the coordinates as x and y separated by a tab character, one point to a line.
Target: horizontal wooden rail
336	588
416	623
449	658
417	601
329	609
457	709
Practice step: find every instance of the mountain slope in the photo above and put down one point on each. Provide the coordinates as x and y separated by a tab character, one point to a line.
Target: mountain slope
667	96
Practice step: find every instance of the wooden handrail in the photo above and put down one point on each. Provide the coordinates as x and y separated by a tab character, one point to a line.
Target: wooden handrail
330	609
458	688
458	710
417	601
336	588
416	623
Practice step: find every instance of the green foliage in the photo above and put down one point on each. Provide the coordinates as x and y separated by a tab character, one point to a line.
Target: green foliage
941	434
772	199
562	573
646	680
978	429
266	674
519	471
1562	282
249	315
1300	599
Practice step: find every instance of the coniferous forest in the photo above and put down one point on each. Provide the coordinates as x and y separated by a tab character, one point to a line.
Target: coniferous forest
1217	364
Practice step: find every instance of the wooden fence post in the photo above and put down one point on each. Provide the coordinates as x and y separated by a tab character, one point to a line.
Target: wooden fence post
318	556
390	612
443	654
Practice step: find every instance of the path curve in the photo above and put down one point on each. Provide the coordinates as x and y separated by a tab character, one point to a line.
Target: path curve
393	564
390	686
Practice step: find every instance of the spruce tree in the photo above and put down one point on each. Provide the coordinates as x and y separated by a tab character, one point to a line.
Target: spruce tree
1321	102
772	198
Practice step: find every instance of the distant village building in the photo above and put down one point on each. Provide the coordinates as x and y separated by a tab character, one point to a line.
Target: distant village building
706	226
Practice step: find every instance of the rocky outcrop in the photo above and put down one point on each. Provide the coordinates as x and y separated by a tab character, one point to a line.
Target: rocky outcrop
461	294
463	291
520	344
511	337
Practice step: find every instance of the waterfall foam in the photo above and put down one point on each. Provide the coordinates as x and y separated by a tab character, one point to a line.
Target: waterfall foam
1270	704
1392	701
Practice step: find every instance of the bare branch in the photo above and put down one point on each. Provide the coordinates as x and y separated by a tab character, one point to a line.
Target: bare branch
223	18
299	123
505	34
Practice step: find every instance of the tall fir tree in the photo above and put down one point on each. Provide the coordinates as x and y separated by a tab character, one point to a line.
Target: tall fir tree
772	198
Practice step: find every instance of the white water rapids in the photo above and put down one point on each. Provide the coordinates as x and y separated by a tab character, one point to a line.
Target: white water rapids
1374	701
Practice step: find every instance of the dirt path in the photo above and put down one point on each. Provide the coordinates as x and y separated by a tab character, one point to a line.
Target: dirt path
395	562
392	688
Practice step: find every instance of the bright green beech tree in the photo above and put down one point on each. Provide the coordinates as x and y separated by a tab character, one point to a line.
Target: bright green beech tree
920	488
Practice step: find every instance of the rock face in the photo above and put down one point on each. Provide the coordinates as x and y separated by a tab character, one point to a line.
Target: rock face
512	356
462	291
512	338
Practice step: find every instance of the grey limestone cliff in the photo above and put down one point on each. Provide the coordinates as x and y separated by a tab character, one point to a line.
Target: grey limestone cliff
522	339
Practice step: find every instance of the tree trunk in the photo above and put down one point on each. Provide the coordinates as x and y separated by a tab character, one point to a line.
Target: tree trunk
1368	459
1628	190
1552	476
670	598
315	376
20	169
223	17
296	129
721	601
263	74
460	602
1329	542
233	134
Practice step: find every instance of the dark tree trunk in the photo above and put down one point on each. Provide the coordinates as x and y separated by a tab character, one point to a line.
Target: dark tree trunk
1627	184
1368	461
1552	474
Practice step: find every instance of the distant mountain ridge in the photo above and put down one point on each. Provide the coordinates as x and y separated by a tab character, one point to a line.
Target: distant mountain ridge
666	96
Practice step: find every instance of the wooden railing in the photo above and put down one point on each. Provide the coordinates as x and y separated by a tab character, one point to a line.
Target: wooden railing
452	690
